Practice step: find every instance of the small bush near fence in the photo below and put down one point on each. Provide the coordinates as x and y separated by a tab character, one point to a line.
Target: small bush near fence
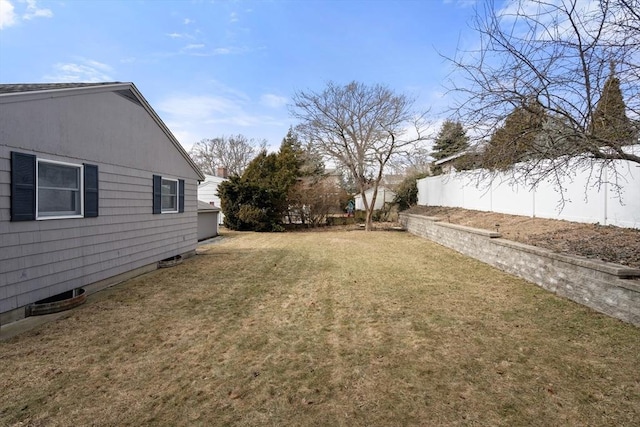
341	220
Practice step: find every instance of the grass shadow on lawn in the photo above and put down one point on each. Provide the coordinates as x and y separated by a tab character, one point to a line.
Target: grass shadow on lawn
332	328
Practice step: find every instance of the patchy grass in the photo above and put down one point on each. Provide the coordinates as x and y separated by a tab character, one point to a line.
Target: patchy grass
333	328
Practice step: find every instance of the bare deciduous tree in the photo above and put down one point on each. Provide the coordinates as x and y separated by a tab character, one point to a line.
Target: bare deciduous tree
314	198
414	159
558	54
360	127
231	152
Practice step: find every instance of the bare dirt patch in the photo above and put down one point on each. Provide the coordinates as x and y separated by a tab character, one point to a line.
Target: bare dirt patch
607	243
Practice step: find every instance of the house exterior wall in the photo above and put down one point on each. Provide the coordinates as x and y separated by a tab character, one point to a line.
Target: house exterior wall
208	192
384	196
43	258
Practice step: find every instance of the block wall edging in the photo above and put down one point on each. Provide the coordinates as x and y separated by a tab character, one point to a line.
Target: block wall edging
596	284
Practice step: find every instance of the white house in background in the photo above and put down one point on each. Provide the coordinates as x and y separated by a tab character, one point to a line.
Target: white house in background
208	190
384	196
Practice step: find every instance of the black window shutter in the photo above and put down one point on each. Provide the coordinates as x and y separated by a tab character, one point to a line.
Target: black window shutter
181	195
157	194
23	187
90	191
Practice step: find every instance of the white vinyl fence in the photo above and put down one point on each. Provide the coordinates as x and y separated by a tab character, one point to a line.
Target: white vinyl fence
584	199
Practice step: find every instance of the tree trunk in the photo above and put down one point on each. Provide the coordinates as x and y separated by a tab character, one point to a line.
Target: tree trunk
368	225
369	206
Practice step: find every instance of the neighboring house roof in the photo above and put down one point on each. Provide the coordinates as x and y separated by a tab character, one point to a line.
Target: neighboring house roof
450	158
381	189
214	179
392	179
208	184
472	150
127	90
204	207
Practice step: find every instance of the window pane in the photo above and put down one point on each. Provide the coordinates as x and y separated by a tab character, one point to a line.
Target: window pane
169	187
169	195
58	202
58	176
58	190
169	203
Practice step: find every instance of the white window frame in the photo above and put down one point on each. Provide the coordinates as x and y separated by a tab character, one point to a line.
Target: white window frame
169	211
81	190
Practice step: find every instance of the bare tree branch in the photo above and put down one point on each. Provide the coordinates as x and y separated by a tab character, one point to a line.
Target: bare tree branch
231	152
360	127
557	53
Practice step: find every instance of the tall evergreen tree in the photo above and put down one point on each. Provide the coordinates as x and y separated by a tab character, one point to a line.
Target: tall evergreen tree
261	198
451	139
253	201
610	125
517	139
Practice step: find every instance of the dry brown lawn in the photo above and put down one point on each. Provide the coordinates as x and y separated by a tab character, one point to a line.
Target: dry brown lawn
335	328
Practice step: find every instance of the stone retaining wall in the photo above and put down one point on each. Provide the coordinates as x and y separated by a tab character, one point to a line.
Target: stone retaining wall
606	287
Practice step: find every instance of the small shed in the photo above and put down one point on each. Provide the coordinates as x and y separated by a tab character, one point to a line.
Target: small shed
384	196
207	220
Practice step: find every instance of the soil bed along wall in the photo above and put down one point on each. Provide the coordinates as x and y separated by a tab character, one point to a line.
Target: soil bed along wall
607	243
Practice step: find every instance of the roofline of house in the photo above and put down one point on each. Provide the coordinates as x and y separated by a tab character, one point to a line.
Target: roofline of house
384	188
9	97
207	177
207	208
452	157
206	183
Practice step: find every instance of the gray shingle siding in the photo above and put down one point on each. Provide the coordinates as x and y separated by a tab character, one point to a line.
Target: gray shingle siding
42	258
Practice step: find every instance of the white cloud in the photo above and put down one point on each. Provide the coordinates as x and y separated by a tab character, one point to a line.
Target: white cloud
461	3
553	14
231	50
7	14
33	11
194	46
273	101
233	17
227	111
188	21
86	70
466	3
211	110
197	107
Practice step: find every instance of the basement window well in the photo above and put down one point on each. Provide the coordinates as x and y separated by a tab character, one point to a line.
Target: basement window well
61	302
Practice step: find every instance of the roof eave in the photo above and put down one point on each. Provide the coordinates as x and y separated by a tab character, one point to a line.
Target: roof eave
167	132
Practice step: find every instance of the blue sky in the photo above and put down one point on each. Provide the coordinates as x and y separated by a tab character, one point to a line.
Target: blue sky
212	68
